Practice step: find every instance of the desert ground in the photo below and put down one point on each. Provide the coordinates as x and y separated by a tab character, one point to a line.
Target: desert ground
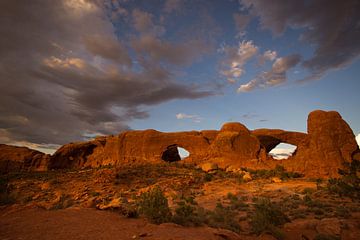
177	201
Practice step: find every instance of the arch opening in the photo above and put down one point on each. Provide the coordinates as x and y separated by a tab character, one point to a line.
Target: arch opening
174	153
283	151
183	153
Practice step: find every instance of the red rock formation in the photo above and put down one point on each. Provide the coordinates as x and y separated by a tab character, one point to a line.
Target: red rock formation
14	159
328	144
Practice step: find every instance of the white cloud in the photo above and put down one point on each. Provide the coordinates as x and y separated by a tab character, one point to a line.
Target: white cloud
358	139
194	118
236	58
275	76
267	56
248	86
282	151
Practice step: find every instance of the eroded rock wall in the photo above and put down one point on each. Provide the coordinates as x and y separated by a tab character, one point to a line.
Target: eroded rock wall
14	159
328	144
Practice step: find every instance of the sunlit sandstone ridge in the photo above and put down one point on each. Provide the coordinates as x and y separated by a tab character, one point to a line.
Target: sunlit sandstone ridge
327	145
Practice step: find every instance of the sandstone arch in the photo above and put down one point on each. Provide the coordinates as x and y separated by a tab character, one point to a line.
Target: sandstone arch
270	138
328	144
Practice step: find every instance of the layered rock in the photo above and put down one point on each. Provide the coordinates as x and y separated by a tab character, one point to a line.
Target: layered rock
14	159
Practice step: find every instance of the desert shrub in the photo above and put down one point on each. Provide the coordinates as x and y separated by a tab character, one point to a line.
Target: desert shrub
235	202
267	217
342	211
5	196
154	205
349	182
186	213
65	201
279	171
208	177
223	217
128	210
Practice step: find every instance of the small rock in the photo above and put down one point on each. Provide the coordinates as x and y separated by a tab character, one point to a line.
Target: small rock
208	167
276	180
45	186
115	203
247	176
329	226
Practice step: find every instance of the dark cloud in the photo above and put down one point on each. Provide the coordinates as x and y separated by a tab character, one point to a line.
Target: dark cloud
64	75
107	48
331	26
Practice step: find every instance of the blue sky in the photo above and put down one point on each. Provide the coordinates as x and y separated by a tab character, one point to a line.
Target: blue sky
99	67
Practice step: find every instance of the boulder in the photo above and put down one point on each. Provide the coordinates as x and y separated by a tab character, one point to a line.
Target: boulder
247	176
208	167
276	180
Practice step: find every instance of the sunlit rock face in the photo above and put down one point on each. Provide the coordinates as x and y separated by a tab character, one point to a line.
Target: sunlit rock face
14	159
328	144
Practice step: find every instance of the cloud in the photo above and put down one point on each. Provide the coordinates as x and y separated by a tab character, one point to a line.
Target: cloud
144	24
276	75
330	26
194	118
236	58
241	21
267	56
107	48
358	139
282	151
63	79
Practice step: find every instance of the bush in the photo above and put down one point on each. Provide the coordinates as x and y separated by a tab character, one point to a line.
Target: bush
223	217
278	171
267	217
349	182
154	205
5	196
186	214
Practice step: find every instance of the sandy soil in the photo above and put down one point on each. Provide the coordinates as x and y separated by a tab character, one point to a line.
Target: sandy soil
84	224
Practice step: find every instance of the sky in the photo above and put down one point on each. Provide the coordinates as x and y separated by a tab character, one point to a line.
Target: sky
71	70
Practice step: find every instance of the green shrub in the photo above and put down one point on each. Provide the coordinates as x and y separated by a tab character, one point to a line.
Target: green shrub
278	171
349	182
208	177
186	214
154	205
267	217
5	196
223	217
